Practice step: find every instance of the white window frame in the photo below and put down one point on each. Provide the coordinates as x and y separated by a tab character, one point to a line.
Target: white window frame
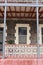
28	33
41	26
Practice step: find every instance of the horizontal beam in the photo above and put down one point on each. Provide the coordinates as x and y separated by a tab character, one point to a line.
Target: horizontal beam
21	4
22	17
19	12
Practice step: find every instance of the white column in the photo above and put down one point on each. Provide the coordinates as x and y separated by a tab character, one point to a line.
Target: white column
4	31
38	48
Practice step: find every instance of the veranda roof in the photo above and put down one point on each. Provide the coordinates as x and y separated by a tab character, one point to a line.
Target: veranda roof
21	12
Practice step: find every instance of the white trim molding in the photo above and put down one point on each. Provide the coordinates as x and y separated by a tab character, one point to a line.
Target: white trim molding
41	26
1	25
28	33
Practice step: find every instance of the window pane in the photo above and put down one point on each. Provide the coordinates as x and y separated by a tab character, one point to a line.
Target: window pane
42	35
1	35
22	31
22	39
22	35
1	39
42	31
1	29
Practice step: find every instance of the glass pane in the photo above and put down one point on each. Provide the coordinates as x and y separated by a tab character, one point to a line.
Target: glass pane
1	38
22	35
42	35
22	39
42	31
1	35
22	31
1	29
42	38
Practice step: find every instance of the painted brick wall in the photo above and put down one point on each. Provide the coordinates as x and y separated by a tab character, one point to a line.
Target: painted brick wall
11	29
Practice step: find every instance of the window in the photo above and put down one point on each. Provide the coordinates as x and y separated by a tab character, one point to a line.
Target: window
1	39
42	34
1	35
22	34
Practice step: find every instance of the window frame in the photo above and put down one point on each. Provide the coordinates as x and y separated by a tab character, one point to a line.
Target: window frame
28	32
40	27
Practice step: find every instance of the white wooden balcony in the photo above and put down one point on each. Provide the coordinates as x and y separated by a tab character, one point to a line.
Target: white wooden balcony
23	51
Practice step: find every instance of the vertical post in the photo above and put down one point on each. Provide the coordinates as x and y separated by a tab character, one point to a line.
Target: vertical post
38	48
4	31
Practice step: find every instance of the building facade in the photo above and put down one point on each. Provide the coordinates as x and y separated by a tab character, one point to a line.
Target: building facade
21	29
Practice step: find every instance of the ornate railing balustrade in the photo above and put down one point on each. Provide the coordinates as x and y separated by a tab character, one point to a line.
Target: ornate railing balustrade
22	51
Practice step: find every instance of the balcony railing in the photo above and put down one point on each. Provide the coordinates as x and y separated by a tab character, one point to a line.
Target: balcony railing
22	51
